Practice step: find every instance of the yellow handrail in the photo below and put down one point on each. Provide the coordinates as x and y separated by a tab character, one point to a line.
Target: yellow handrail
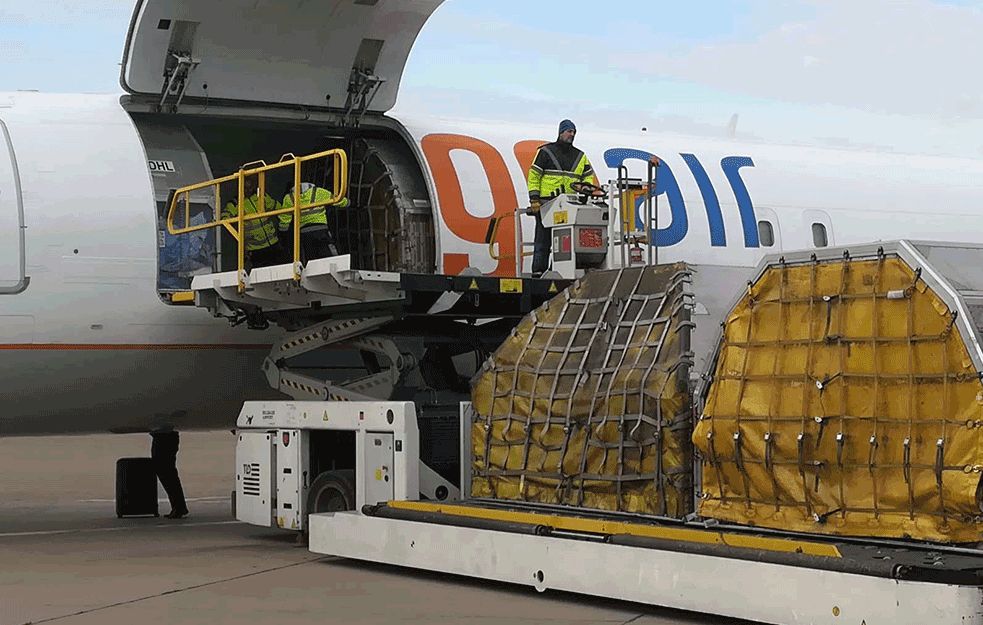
491	237
235	224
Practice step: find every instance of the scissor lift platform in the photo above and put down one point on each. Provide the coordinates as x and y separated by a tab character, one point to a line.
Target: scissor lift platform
333	304
329	286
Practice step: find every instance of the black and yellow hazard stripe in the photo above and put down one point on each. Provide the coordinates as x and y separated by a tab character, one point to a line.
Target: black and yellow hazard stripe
606	527
301	387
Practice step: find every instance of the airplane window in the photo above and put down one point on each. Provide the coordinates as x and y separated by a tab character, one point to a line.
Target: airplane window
819	235
766	233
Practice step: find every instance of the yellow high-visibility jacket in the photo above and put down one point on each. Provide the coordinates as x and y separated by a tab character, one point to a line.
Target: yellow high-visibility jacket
308	216
554	168
258	233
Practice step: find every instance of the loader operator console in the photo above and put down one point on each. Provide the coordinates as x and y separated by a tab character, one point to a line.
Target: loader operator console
588	191
578	225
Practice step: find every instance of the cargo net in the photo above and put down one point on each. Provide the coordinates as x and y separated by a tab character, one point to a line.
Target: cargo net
844	402
587	403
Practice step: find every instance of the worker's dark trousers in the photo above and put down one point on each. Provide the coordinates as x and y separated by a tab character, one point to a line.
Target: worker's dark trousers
541	247
266	257
316	242
163	451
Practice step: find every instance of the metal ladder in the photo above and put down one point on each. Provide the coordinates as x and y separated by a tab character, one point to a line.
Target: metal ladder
636	246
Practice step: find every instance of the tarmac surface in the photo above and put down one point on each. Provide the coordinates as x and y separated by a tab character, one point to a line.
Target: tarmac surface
66	559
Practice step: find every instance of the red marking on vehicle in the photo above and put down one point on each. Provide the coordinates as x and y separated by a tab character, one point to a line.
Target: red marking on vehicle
591	237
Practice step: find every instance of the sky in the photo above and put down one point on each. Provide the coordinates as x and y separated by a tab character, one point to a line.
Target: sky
872	75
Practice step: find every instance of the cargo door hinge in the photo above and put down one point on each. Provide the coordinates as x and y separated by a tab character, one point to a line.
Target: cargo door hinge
362	88
177	70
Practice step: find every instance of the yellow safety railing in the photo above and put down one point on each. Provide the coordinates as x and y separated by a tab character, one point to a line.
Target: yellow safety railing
491	237
628	219
260	169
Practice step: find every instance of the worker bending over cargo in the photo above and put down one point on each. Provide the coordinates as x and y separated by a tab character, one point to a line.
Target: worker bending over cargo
554	167
316	240
260	236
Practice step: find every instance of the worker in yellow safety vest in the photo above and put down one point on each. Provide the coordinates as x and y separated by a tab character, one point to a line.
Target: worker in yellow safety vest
555	166
316	240
261	241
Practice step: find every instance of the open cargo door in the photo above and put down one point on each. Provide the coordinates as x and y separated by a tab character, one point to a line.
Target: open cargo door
846	396
12	278
341	54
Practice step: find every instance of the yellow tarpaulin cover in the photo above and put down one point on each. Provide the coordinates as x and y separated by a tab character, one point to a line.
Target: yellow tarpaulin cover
587	403
844	402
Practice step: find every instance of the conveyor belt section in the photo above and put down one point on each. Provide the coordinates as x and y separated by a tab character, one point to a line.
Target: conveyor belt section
920	562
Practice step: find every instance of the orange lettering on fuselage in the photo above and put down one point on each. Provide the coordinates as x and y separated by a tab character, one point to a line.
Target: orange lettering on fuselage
437	148
525	151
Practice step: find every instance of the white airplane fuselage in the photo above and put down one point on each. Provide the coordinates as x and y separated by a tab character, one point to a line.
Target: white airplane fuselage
89	344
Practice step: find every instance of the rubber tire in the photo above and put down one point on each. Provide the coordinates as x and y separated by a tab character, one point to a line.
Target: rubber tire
332	491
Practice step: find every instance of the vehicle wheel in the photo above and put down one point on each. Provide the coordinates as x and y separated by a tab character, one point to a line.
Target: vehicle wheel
332	491
232	502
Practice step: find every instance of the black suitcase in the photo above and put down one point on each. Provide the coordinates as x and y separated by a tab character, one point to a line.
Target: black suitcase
136	487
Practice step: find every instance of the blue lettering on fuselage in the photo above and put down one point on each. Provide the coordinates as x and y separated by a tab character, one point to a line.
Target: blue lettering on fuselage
666	183
718	237
730	165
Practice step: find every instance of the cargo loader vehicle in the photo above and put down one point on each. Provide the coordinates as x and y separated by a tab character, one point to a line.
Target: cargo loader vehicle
792	443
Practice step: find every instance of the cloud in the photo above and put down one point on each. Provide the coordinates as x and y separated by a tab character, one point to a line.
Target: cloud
14	51
885	56
64	12
914	58
790	28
